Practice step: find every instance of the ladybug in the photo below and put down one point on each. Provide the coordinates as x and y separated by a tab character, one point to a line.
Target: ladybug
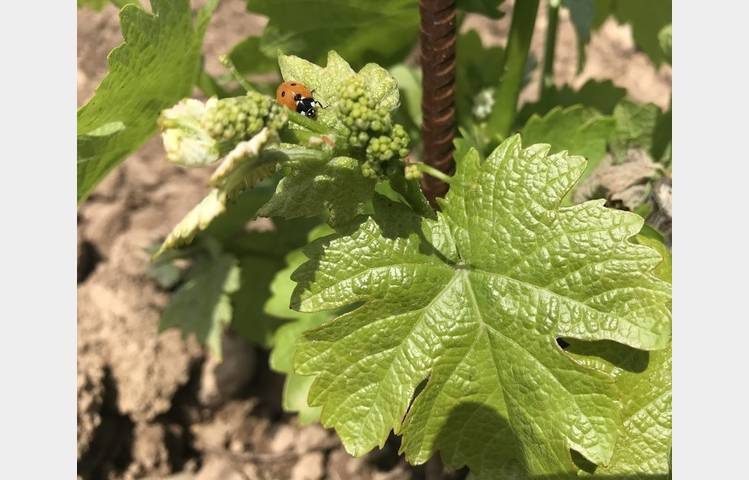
297	97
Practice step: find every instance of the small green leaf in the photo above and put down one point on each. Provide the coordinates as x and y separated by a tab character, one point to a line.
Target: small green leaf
635	124
336	186
489	8
213	208
198	219
381	31
163	271
472	304
660	149
155	67
578	130
202	304
243	167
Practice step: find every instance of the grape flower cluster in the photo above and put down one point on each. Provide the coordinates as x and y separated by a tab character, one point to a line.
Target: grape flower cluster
370	128
239	118
199	134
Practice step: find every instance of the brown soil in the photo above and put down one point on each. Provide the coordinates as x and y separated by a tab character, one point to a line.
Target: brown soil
154	405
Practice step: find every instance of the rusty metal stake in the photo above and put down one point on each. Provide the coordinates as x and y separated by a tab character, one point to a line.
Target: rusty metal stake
438	38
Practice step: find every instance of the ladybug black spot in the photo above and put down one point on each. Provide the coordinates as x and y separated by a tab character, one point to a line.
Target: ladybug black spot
283	94
293	84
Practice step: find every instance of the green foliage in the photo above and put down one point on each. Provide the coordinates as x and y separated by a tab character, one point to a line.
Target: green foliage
642	126
155	67
478	70
163	270
445	327
369	126
362	31
249	58
581	13
93	4
329	83
644	446
202	305
409	84
215	203
664	38
600	95
336	186
490	8
296	387
340	184
663	270
197	133
634	125
647	18
472	303
258	268
577	129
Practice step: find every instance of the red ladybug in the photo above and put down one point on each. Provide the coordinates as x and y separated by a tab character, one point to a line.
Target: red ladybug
297	97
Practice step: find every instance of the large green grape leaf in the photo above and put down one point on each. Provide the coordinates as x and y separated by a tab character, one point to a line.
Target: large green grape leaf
644	382
155	67
577	129
381	31
643	449
467	309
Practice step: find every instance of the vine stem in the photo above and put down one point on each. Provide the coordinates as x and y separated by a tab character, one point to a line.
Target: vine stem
518	45
550	44
429	170
438	39
229	65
